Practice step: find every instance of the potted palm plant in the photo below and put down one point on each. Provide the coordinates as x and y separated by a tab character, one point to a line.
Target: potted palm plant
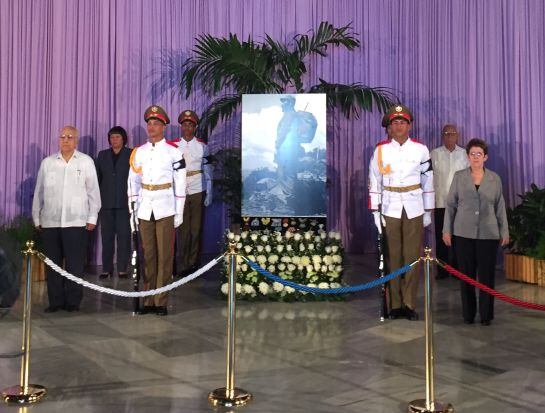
525	260
225	68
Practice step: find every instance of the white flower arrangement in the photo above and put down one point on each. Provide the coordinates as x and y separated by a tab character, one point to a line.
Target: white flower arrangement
312	258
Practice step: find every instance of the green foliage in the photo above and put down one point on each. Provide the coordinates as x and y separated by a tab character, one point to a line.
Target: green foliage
234	67
527	224
228	181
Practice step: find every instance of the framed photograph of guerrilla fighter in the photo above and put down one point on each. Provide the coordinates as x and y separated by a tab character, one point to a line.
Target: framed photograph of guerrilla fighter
284	155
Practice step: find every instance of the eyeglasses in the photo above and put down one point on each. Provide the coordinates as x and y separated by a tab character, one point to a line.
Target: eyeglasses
476	154
69	137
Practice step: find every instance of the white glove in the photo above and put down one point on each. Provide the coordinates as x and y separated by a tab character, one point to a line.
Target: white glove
208	198
379	221
178	218
134	222
427	218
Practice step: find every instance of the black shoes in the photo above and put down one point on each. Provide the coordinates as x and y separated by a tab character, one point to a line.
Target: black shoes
410	314
104	275
147	309
404	312
161	311
467	321
396	313
486	322
52	309
71	308
67	307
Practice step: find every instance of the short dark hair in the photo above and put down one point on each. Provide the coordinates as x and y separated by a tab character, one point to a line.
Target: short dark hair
118	130
479	143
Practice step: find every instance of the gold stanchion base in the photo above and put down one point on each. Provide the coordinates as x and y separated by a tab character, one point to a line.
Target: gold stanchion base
15	394
419	406
237	397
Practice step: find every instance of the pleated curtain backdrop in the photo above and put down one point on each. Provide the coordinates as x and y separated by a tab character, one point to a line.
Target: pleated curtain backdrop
99	63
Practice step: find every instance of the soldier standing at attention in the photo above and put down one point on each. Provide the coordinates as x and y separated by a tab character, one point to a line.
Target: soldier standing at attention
156	191
401	197
198	193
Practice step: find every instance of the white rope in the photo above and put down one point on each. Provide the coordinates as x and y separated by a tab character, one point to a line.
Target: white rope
120	293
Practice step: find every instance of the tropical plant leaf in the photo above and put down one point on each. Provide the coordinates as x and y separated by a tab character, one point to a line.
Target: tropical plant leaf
354	98
220	109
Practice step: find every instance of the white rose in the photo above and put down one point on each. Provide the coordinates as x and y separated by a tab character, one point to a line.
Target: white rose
334	249
264	238
225	288
296	260
323	235
323	285
238	288
244	234
307	235
253	237
310	269
268	248
259	248
277	287
328	249
331	234
261	259
317	267
263	288
291	267
285	259
316	259
335	285
251	258
278	238
239	245
288	247
289	289
289	234
328	260
324	268
337	259
273	259
339	268
271	268
279	248
297	237
300	267
317	239
331	267
301	247
247	249
248	289
244	267
311	285
237	238
281	267
311	247
230	235
305	260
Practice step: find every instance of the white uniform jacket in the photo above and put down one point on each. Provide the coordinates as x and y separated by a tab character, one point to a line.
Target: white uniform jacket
395	168
156	164
199	170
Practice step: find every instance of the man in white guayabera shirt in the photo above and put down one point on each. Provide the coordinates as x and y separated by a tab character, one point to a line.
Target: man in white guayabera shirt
446	160
66	205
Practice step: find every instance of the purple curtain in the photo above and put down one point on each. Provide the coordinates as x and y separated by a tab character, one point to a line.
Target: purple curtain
97	63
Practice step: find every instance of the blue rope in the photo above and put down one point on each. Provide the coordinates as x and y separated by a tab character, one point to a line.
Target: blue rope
340	290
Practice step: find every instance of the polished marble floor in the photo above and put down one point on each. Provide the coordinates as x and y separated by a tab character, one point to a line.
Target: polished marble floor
293	357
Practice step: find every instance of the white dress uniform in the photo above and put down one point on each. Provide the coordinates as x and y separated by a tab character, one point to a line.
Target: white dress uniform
401	177
199	171
157	181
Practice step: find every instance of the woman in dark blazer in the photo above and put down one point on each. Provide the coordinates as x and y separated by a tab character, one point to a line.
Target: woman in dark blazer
475	215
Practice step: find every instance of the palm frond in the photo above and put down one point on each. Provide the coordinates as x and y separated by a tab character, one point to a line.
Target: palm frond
354	98
226	63
220	109
324	36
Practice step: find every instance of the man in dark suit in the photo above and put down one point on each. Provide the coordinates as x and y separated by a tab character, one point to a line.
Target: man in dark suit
113	171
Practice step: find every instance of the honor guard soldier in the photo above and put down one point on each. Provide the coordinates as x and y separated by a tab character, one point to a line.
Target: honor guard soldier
198	193
156	190
401	197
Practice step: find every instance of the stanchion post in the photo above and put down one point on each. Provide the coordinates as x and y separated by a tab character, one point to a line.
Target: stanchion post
429	404
25	392
230	395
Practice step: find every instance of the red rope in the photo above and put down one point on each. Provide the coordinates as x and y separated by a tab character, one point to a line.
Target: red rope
493	292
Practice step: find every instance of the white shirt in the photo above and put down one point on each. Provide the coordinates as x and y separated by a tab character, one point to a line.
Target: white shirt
445	164
401	166
67	193
195	154
157	164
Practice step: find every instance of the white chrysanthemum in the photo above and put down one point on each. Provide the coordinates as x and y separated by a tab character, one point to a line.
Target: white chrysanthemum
334	249
238	288
289	247
279	248
261	259
310	269
317	267
316	259
289	235
291	267
302	247
278	287
324	269
339	268
328	249
244	268
273	259
289	289
264	238
297	237
311	247
327	260
248	289
237	238
331	267
259	248
281	267
323	235
271	268
312	285
278	238
305	260
230	235
337	259
331	234
225	288
267	248
247	249
244	235
253	237
308	235
263	288
300	267
285	259
335	285
296	260
323	285
317	239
